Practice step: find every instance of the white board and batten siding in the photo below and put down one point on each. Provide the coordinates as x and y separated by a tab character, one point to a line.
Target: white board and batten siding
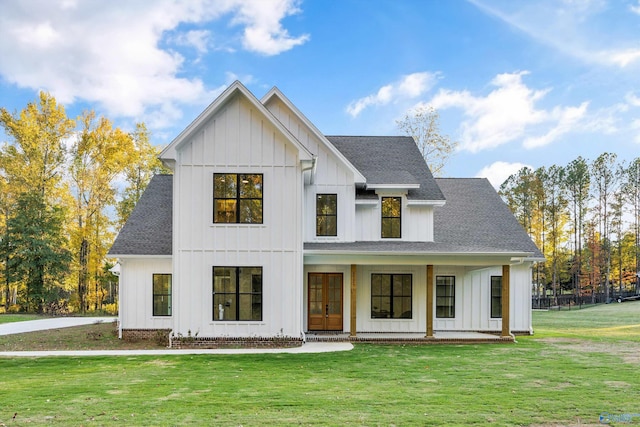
417	222
136	293
332	176
472	299
238	139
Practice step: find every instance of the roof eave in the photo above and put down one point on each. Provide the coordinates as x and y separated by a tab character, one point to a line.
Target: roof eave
412	202
137	256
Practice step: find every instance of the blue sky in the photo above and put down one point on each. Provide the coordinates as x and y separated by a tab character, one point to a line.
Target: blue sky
515	82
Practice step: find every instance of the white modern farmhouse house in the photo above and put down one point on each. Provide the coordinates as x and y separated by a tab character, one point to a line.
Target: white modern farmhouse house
270	232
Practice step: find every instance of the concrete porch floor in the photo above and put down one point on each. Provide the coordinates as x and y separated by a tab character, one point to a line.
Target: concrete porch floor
440	337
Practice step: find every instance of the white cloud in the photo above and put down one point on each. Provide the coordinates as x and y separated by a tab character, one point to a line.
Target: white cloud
635	127
575	28
567	120
636	8
263	31
632	99
506	114
96	52
408	87
198	39
498	172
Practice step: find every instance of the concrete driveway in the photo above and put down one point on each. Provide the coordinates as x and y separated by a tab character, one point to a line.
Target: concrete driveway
53	323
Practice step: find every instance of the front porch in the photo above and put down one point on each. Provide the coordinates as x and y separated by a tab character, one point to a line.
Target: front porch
439	337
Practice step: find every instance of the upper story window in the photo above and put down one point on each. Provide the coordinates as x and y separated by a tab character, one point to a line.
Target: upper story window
391	217
237	198
326	215
162	295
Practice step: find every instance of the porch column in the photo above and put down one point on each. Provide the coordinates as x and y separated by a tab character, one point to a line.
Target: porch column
506	327
429	301
352	328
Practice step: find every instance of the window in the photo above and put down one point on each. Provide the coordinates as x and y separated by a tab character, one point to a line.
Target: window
237	198
391	296
237	293
445	296
162	295
326	215
496	296
391	217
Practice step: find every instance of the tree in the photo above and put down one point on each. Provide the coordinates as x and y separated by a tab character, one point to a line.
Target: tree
35	160
142	165
555	212
577	182
632	191
605	178
39	255
423	124
98	157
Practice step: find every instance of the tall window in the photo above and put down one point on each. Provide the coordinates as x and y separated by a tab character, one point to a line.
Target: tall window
496	296
162	295
237	293
391	296
237	198
445	296
327	215
391	223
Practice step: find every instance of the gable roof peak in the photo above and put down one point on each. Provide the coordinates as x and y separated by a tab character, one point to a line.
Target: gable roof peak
359	177
169	153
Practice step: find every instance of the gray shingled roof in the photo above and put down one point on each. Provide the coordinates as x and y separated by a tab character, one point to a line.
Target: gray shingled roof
148	229
389	160
474	220
476	215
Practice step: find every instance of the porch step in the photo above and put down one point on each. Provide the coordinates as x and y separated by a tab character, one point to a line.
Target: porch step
442	337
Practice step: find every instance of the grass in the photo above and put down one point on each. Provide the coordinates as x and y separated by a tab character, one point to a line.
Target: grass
554	378
10	318
98	336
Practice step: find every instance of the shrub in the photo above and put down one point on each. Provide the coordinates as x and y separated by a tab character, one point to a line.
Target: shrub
111	309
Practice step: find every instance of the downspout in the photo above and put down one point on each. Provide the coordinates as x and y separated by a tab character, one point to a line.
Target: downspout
307	165
310	165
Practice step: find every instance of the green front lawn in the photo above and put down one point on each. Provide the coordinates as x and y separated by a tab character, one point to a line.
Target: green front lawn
9	318
554	378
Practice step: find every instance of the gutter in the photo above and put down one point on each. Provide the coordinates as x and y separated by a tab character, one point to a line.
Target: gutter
310	165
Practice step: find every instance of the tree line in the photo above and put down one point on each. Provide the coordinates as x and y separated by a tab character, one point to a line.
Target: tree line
585	218
66	185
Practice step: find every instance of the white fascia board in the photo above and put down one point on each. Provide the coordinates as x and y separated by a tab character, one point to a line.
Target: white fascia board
169	153
128	256
411	202
393	186
367	202
358	177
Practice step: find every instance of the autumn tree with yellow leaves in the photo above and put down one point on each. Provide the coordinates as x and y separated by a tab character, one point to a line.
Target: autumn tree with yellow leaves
61	183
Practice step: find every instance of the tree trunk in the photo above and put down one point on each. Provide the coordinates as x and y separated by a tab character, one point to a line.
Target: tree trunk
82	275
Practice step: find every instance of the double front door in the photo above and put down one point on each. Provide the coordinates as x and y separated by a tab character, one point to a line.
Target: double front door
325	301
